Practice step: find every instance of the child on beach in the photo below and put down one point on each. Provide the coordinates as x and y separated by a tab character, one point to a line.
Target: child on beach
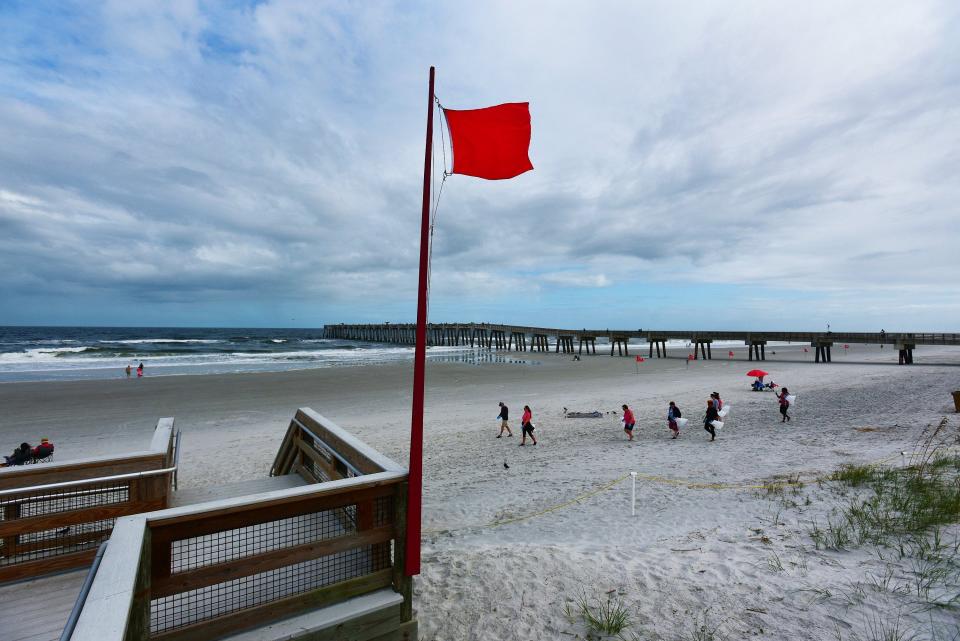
673	413
526	424
629	422
504	414
784	403
128	370
708	419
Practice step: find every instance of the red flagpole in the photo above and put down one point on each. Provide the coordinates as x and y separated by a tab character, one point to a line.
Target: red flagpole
415	483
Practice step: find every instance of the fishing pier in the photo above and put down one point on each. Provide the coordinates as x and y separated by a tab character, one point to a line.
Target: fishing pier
569	341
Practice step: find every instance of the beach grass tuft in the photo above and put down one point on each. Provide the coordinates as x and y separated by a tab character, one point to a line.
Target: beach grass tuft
905	509
606	614
704	629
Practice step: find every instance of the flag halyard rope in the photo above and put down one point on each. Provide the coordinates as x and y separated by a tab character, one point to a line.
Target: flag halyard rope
436	202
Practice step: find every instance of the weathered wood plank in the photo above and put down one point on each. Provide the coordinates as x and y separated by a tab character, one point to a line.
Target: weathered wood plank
254	616
406	631
195	495
108	610
315	456
333	620
63	541
36	610
210	520
257	563
49	565
74	517
362	456
30	475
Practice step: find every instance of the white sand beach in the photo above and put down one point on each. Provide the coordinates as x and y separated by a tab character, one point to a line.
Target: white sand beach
505	550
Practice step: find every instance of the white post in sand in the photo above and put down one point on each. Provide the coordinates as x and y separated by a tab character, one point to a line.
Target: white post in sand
633	494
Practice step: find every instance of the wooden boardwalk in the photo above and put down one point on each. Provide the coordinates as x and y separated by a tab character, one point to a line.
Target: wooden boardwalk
521	338
37	609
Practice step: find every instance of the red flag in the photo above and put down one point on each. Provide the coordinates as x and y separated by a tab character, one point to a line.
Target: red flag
491	143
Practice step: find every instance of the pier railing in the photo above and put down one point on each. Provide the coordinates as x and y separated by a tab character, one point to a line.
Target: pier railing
213	569
520	337
54	516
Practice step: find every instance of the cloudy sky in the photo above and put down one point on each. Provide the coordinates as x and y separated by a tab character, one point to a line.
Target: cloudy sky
697	165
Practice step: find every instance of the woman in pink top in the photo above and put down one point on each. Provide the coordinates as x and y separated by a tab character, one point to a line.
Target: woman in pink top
526	425
628	422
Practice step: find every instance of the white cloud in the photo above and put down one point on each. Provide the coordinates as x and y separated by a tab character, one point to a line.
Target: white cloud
274	150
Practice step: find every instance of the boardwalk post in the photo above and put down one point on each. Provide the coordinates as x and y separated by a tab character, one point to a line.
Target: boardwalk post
415	488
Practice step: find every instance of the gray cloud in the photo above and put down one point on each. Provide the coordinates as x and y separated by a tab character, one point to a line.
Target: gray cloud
187	153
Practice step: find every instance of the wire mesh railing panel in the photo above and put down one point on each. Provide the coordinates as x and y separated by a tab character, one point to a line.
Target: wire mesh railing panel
43	503
35	546
216	601
231	545
32	544
223	599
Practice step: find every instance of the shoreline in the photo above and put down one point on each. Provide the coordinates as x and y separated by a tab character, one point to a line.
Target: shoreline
789	353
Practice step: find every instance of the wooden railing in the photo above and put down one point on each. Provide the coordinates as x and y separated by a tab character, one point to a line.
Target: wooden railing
54	516
212	569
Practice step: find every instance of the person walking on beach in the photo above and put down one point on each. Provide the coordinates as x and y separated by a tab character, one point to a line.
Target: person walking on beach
503	416
129	370
140	370
784	404
526	425
709	418
629	422
673	413
717	403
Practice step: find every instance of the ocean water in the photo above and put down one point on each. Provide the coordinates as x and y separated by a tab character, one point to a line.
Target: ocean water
68	353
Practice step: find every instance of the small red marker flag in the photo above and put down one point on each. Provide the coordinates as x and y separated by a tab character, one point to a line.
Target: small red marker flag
640	359
730	354
690	357
492	142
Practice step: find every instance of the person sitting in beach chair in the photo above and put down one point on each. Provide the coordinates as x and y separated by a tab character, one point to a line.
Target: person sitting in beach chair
43	452
20	456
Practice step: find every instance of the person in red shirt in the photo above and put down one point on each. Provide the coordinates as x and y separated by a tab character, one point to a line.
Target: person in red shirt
784	404
526	424
43	450
629	422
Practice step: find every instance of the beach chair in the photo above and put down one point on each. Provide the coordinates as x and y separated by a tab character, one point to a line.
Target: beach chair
42	453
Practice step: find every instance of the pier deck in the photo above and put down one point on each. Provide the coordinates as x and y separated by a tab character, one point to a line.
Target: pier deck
515	338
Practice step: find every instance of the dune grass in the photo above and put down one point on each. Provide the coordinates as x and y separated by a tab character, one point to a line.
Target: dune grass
606	615
905	509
